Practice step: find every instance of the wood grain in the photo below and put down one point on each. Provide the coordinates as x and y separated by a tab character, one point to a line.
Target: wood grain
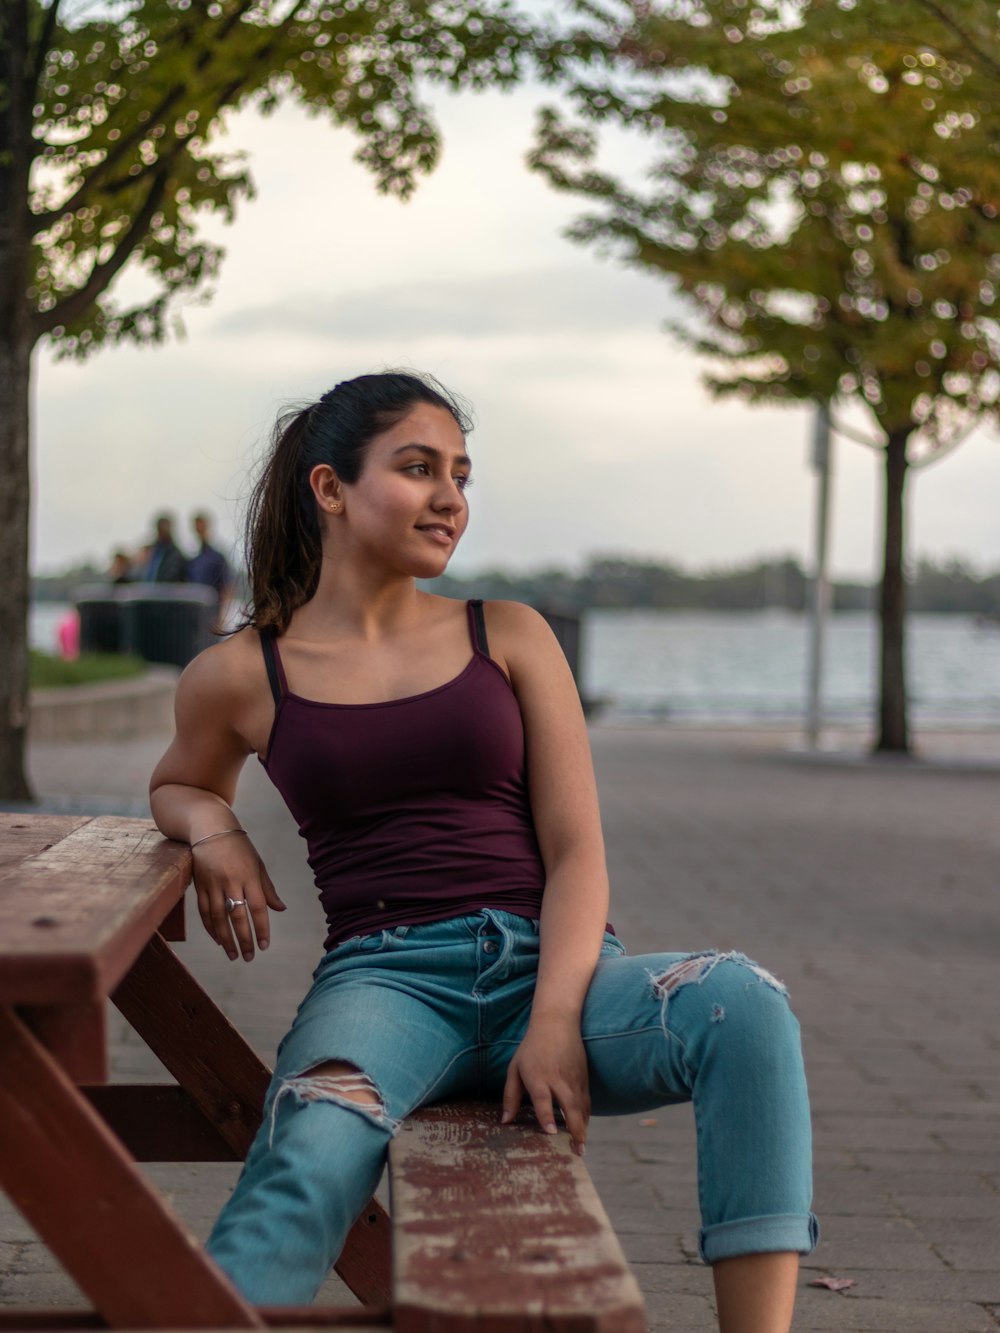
22	836
75	913
499	1229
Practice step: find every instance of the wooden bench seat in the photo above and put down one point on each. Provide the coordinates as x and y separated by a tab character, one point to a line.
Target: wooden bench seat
499	1227
495	1229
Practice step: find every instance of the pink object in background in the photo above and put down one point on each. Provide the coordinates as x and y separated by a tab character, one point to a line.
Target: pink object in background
68	636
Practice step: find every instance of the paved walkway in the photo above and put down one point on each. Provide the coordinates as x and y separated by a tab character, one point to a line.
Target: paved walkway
871	888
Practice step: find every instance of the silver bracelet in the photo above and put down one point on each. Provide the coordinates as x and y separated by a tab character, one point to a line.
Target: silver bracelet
221	834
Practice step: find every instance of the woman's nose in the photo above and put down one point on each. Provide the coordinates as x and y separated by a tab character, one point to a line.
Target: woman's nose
448	496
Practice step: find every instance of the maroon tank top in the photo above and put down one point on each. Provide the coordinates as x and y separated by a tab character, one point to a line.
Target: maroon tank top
414	809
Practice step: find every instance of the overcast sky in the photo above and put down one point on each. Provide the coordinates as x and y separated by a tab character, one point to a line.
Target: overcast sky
593	432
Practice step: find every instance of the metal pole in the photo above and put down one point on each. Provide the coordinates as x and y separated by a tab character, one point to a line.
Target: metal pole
820	602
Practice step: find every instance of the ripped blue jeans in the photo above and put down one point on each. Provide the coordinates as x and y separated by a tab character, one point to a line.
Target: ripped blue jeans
425	1013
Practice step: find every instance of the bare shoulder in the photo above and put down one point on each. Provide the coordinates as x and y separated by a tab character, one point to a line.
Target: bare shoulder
227	677
223	711
516	619
515	616
520	638
232	659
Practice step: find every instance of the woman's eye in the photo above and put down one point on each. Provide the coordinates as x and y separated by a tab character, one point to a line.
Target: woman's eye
463	481
420	468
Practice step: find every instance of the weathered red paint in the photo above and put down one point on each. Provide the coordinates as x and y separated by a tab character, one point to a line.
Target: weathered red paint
499	1228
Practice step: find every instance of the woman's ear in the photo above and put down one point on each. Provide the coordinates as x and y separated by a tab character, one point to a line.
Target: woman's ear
326	488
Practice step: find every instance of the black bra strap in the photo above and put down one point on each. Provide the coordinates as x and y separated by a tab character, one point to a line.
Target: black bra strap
479	625
267	648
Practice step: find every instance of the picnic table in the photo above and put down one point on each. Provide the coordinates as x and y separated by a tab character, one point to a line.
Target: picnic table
494	1228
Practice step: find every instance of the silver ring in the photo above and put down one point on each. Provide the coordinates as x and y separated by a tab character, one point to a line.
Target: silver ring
233	903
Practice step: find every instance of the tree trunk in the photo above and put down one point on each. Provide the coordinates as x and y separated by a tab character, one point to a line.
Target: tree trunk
893	733
15	380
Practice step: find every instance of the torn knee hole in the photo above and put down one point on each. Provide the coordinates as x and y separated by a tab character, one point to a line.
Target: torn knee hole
336	1079
338	1083
685	972
696	969
700	966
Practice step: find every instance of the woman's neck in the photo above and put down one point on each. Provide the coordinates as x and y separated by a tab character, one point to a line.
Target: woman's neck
362	608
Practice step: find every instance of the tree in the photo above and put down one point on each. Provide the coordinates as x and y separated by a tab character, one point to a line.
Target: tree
107	163
825	191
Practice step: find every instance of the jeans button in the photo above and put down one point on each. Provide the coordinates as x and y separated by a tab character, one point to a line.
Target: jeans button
489	946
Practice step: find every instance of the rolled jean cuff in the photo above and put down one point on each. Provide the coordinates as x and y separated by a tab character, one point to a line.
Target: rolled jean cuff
775	1233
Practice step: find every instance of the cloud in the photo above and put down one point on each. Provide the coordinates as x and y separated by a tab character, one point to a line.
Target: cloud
593	430
548	301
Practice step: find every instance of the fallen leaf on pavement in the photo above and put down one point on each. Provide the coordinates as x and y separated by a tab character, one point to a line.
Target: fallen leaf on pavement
647	1122
833	1283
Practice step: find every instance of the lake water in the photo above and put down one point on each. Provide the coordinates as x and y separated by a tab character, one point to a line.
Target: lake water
746	668
728	667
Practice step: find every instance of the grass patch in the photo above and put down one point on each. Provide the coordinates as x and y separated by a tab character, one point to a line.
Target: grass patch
89	669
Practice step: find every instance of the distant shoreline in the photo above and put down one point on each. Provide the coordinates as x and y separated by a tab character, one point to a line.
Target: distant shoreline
611	582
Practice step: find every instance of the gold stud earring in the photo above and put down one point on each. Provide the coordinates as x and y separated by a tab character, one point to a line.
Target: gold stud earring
334	506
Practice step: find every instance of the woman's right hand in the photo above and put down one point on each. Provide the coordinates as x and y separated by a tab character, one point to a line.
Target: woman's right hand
230	868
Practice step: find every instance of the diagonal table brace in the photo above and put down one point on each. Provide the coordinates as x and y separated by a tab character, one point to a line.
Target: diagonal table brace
76	1185
227	1081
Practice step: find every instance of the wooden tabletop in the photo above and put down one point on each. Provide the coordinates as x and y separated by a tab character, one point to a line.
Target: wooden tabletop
79	898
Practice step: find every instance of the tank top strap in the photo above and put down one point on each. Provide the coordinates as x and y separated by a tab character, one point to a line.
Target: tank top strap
272	661
477	626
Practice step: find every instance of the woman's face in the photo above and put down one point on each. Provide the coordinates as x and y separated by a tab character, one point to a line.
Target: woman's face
408	508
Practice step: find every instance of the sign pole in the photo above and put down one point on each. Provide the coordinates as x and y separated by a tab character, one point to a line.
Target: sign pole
821	460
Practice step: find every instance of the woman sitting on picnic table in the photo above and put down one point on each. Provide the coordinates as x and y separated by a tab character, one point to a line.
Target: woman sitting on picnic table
435	756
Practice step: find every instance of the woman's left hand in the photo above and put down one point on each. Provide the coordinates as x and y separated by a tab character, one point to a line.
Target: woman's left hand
550	1065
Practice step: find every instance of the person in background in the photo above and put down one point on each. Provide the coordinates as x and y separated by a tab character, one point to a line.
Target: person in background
121	569
209	566
68	635
166	562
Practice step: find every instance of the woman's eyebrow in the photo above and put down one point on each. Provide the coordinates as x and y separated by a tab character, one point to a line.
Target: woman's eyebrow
428	449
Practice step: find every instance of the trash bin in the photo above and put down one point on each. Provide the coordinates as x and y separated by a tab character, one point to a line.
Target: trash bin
169	622
101	625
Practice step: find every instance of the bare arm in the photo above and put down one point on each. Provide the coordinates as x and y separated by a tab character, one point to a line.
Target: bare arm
550	1063
191	794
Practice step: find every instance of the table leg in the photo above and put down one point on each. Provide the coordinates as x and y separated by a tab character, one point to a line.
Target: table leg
228	1081
76	1185
76	1034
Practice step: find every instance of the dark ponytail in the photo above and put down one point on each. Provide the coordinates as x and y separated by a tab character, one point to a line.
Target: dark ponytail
283	540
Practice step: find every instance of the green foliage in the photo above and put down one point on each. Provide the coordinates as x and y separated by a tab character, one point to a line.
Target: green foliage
825	188
126	107
89	669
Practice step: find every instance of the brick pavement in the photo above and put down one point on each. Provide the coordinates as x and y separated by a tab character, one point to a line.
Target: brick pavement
870	888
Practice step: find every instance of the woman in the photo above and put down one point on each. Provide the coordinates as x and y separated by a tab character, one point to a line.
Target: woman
436	758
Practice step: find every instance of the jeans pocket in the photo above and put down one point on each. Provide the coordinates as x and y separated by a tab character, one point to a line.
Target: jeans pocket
373	942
